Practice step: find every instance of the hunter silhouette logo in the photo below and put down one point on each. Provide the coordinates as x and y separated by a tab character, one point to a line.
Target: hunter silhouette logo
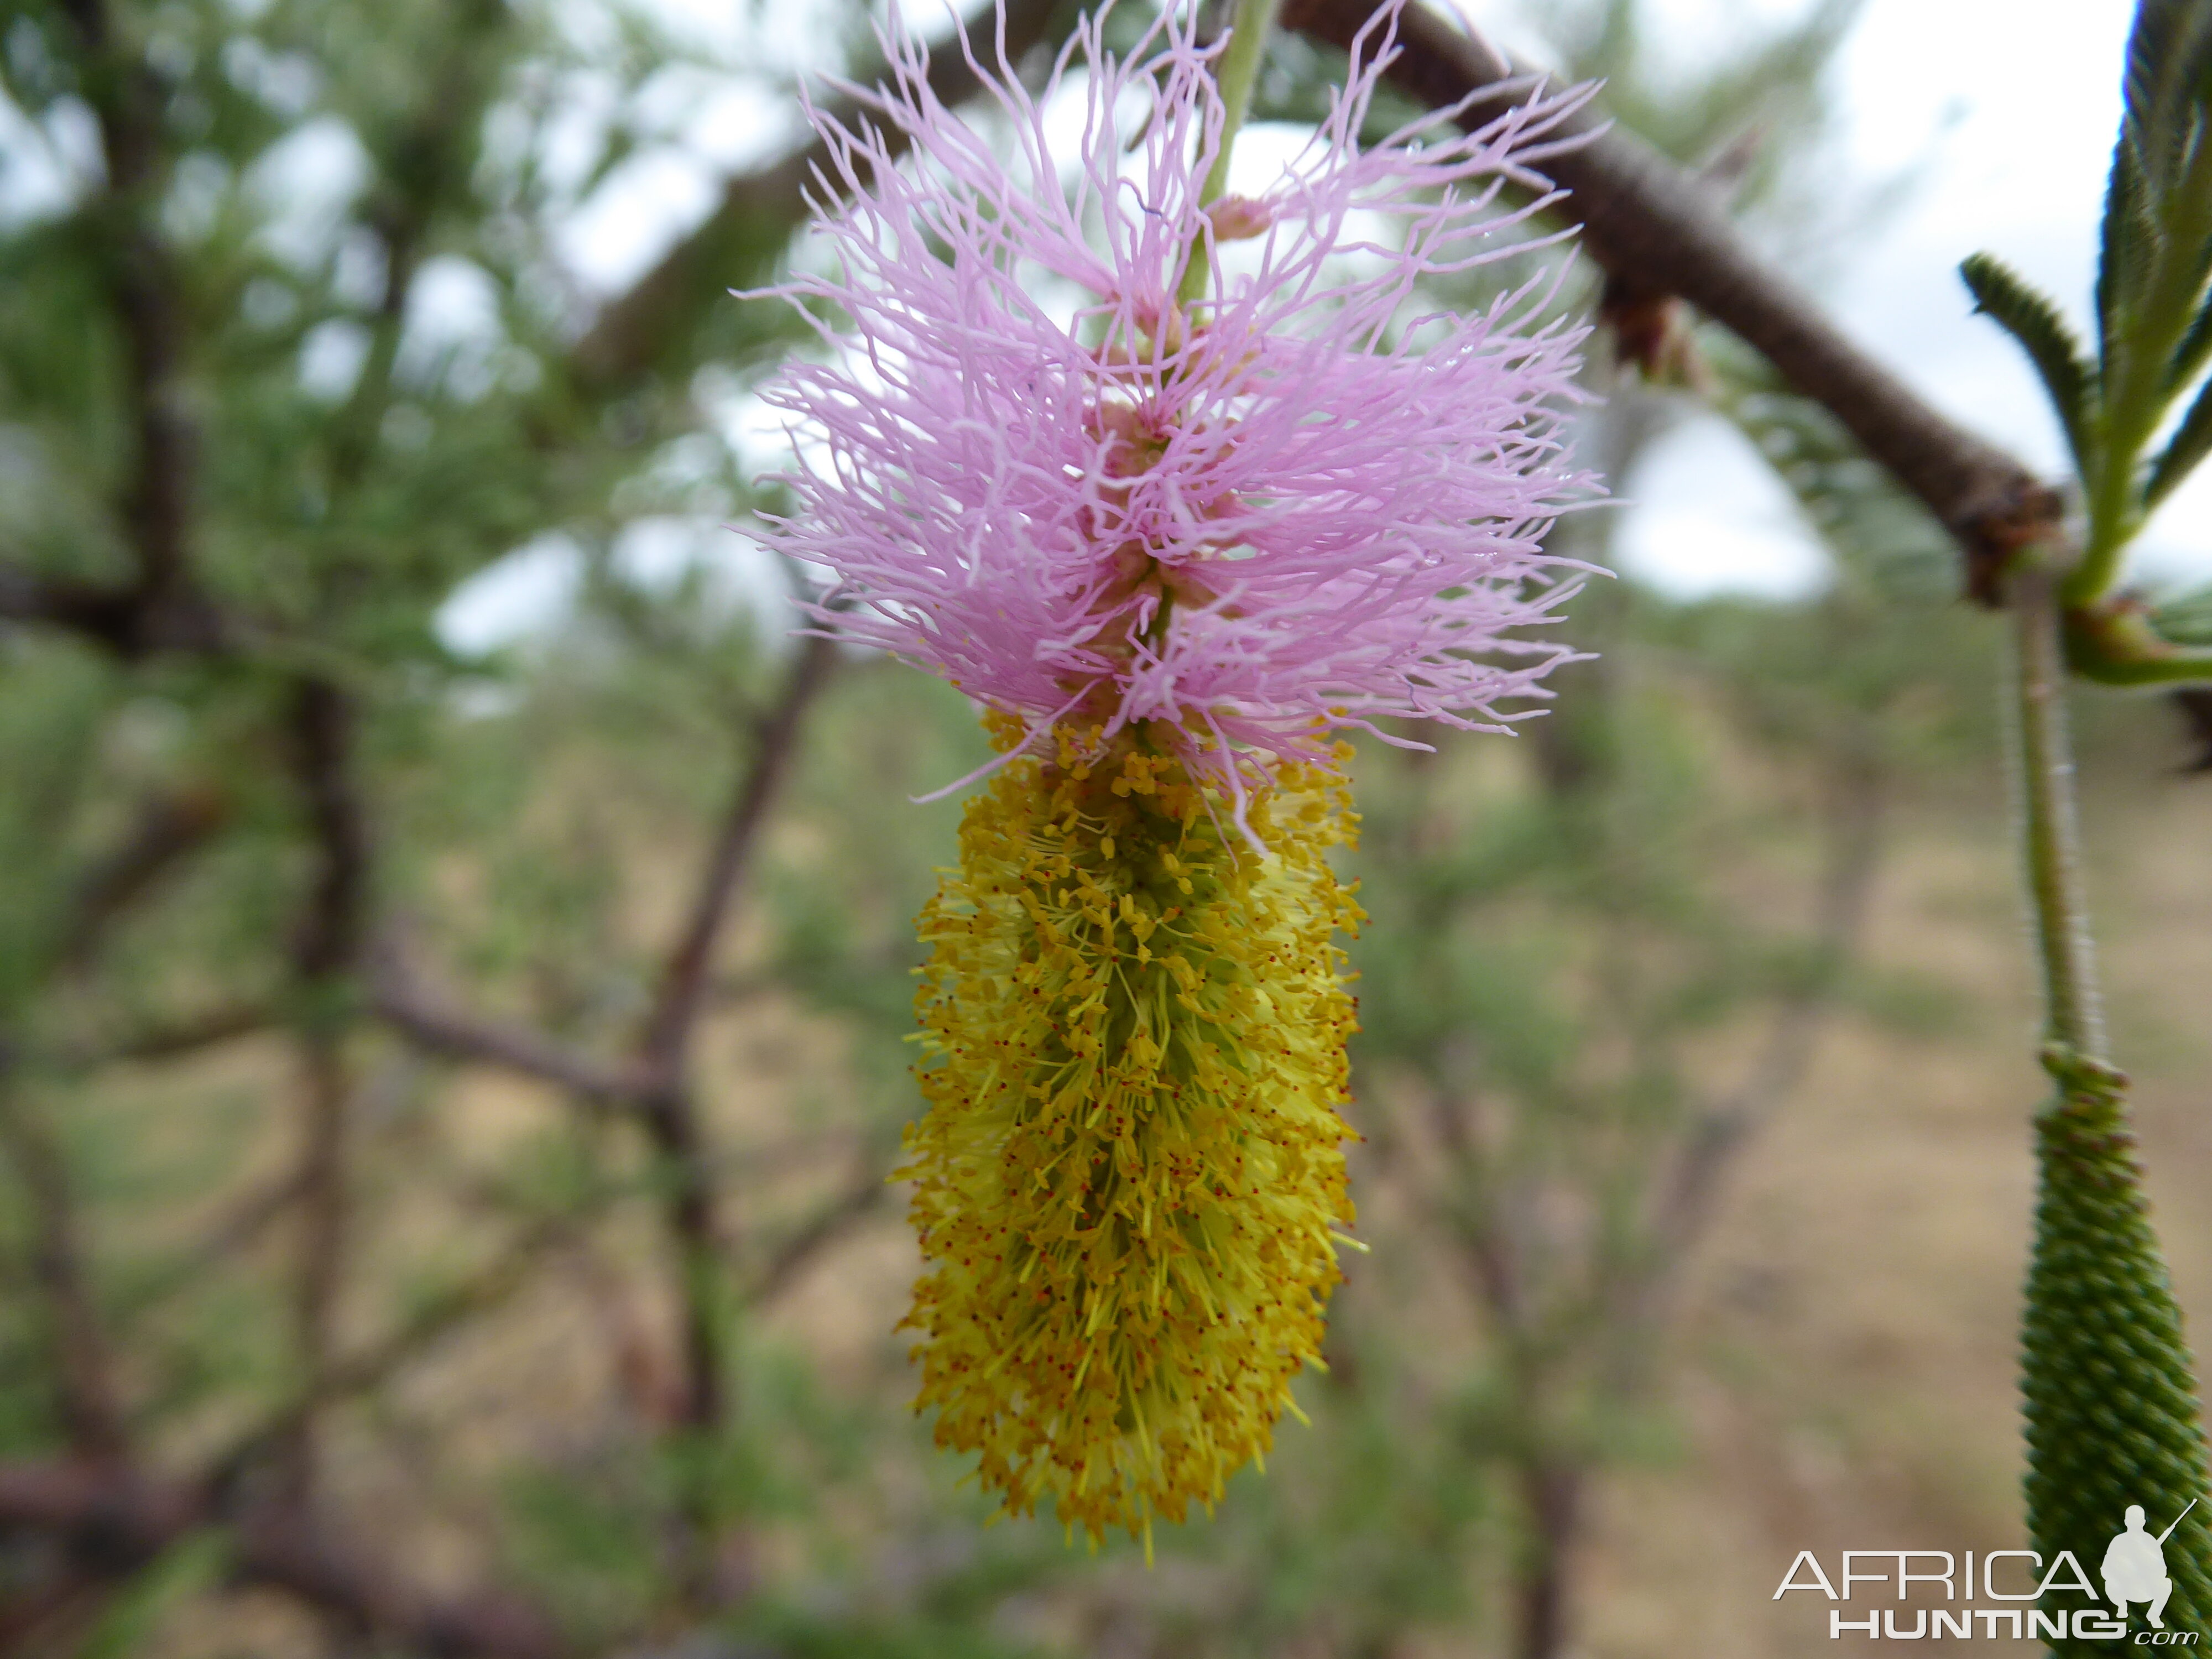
2135	1566
2037	1599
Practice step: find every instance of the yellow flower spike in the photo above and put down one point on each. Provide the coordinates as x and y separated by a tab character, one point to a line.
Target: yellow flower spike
1128	1178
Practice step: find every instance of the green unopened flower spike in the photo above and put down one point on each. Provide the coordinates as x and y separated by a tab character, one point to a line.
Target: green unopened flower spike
2108	1384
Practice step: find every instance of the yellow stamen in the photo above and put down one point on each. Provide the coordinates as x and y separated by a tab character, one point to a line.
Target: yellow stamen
1130	1155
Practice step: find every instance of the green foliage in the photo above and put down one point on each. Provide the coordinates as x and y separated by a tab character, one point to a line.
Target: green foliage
2190	441
2154	326
2169	50
2187	617
193	1565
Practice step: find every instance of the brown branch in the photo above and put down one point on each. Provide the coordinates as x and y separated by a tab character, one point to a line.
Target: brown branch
1652	225
326	950
131	621
53	1617
2195	704
1685	1206
1552	1489
329	937
370	1367
433	1020
216	1026
652	1079
170	827
1552	1477
236	1229
111	1522
127	99
832	1222
758	210
87	1399
1488	1249
665	1036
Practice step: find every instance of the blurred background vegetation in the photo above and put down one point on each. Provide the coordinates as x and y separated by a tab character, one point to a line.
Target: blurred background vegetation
446	1088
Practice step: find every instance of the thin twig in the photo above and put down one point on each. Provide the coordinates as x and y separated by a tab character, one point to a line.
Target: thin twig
370	1367
235	1230
665	1036
662	1048
859	1199
325	954
216	1026
170	826
87	1398
111	1522
2194	704
431	1017
634	333
1686	1204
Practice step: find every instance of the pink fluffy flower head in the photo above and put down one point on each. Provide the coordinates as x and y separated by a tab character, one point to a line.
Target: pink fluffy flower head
1291	504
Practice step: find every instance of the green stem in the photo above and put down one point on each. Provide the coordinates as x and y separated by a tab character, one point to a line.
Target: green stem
2073	1018
1249	29
2138	375
2108	1386
2112	520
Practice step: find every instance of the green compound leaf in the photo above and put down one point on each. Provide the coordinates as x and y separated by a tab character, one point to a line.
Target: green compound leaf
2194	351
2186	619
2190	441
2034	321
2162	84
2154	211
2127	239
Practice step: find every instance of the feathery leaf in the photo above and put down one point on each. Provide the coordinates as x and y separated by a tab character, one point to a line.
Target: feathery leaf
2189	445
2124	246
2162	81
2186	619
2194	351
2034	321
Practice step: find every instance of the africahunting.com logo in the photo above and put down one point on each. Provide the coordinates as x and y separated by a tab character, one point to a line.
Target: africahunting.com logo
2133	1570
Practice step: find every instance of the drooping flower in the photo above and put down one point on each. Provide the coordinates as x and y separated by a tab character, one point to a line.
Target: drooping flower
1171	529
